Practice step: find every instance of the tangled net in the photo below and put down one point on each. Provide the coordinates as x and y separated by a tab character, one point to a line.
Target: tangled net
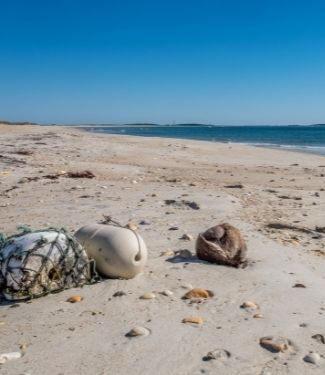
35	263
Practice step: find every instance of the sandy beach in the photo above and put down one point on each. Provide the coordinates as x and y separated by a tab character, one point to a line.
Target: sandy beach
254	189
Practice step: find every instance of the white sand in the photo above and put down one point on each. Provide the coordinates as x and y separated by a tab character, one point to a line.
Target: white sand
133	178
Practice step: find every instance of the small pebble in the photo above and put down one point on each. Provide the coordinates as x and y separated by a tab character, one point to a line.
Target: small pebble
167	253
148	295
312	357
138	331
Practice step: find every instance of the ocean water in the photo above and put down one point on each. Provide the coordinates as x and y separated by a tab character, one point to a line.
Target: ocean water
302	138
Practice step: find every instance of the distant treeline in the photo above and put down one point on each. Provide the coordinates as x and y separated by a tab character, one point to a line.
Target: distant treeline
17	123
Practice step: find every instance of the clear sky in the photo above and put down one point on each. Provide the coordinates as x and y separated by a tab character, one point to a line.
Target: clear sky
164	61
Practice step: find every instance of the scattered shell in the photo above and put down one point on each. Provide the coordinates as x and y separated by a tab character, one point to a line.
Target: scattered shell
187	286
319	338
193	319
131	226
198	293
23	347
9	356
148	295
312	357
258	316
275	344
2	323
248	305
167	253
167	293
187	237
219	354
74	299
138	331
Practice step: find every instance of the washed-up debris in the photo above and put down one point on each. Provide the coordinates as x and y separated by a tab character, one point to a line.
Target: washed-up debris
217	354
237	186
22	152
275	344
313	358
119	252
320	229
222	244
198	293
175	203
138	331
5	357
75	299
319	338
40	262
193	319
119	293
82	174
294	228
148	295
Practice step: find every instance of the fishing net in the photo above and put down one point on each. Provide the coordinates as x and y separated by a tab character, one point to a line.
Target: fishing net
36	263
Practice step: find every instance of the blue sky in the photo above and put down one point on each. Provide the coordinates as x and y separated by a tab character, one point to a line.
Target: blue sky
220	62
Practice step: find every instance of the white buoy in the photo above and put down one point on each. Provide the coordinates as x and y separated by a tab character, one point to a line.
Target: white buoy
118	252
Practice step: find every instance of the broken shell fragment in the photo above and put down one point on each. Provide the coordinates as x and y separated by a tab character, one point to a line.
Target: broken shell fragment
258	316
193	319
9	356
148	295
138	331
249	305
275	344
218	354
74	299
198	293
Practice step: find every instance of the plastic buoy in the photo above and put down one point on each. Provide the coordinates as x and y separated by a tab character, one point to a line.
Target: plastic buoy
119	252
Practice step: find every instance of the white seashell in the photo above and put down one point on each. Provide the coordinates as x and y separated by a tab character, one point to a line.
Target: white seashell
9	357
138	331
167	293
148	295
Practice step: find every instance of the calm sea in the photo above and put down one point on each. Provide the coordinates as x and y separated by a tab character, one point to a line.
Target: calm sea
302	138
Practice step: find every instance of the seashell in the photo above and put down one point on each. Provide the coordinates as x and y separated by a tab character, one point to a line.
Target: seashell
23	347
183	253
193	319
167	253
2	323
187	237
219	354
148	295
9	356
138	331
198	293
275	344
248	305
74	299
258	316
167	293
